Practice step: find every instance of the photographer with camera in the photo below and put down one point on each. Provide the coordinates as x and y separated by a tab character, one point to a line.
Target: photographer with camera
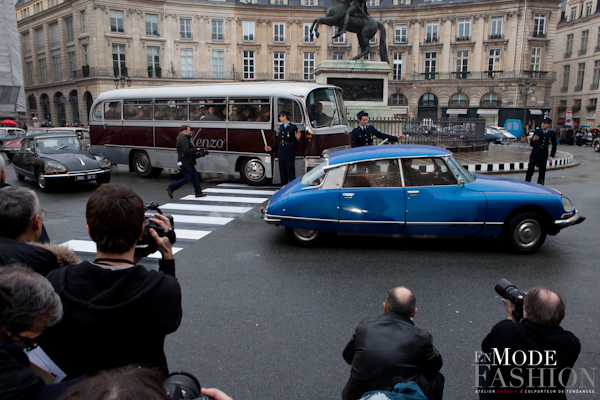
186	159
528	355
116	312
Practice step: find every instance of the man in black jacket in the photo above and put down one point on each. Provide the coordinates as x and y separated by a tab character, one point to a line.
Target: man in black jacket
288	135
186	157
541	140
116	312
389	349
531	358
363	135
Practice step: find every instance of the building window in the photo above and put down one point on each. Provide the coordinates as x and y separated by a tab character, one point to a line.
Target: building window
216	29
584	42
69	35
39	34
248	64
371	3
462	64
576	105
32	103
116	21
307	38
496	28
72	60
400	34
43	71
430	64
278	65
580	76
338	55
536	59
118	53
566	77
57	68
598	40
308	66
27	43
398	99
85	54
279	32
153	60
309	3
432	32
185	28
29	68
397	72
54	37
494	60
596	77
152	24
588	9
573	13
490	100
218	62
373	40
340	39
83	17
464	29
539	25
569	46
458	100
249	31
428	100
187	63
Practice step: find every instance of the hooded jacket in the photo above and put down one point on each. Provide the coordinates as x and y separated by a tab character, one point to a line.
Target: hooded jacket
40	257
113	318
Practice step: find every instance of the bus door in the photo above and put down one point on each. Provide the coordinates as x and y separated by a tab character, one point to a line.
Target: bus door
112	132
327	116
297	118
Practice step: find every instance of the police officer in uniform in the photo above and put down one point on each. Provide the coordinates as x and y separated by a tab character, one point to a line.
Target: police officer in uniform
542	138
288	136
363	135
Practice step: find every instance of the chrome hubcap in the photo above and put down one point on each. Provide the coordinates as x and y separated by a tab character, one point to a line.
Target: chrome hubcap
255	171
528	233
305	234
41	180
142	163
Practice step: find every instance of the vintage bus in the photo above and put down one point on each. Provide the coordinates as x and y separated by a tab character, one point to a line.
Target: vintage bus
234	121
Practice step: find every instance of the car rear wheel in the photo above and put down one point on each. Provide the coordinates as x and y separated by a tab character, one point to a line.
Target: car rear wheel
304	237
42	182
526	233
253	172
103	178
597	145
143	166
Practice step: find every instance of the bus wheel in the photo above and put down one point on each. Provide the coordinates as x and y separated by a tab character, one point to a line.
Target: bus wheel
253	172
143	166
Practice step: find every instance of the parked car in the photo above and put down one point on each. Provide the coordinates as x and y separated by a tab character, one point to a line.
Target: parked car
493	136
8	136
419	191
83	133
51	157
510	138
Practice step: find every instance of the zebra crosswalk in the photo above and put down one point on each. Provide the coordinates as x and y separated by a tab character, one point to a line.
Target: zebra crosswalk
195	217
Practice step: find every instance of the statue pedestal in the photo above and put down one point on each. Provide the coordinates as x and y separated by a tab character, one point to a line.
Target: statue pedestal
365	84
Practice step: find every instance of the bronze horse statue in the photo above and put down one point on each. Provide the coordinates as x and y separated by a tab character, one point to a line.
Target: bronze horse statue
353	18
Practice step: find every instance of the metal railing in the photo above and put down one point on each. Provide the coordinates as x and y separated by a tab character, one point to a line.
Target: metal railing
568	54
483	75
579	88
564	89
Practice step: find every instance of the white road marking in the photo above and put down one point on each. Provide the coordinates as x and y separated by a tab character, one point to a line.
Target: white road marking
204	207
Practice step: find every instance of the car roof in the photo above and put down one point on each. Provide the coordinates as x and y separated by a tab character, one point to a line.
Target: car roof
54	135
391	151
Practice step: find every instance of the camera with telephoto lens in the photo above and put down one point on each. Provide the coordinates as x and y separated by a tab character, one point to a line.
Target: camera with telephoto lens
183	385
201	152
510	292
146	245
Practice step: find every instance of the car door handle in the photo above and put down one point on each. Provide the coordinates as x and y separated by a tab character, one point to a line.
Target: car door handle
348	195
413	192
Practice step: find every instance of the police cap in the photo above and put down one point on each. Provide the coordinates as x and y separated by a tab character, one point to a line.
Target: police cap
285	112
547	120
361	114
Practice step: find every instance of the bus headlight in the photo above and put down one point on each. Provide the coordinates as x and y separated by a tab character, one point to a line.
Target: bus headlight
54	167
105	163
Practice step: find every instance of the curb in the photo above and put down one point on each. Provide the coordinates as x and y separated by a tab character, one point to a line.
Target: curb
517	167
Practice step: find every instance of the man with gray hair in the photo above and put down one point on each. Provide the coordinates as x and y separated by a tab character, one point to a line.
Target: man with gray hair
389	349
21	218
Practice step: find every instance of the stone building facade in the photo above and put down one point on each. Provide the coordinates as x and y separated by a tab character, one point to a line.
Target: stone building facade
458	58
577	64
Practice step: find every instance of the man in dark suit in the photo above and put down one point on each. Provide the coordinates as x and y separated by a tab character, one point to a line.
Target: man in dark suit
288	135
363	135
534	355
541	140
390	349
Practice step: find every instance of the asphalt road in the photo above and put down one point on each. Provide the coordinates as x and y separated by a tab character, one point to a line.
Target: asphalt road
266	320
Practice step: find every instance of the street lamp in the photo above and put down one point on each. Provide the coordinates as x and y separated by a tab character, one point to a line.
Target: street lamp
122	80
526	88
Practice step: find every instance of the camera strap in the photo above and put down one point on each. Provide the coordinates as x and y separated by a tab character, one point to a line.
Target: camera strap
102	261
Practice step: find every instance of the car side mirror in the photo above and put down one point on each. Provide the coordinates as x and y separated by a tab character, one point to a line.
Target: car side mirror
461	181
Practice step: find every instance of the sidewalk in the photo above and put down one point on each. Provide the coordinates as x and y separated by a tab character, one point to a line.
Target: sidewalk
508	158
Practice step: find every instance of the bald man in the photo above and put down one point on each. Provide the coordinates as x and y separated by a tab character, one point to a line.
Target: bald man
389	349
529	355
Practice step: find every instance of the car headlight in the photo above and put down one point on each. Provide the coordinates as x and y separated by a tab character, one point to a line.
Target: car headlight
105	163
567	205
54	167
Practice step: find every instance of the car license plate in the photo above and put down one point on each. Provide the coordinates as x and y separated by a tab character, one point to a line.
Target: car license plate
85	177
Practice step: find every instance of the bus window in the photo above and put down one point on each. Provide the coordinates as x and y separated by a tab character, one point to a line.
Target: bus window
252	110
291	106
171	110
97	114
323	108
207	109
137	109
112	110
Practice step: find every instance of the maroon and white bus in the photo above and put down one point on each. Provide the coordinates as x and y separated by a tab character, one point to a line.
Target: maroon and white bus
234	121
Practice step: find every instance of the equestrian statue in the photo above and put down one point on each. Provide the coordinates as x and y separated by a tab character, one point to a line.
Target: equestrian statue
352	16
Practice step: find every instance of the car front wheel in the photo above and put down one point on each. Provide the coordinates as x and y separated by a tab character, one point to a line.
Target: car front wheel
303	237
526	233
597	145
41	181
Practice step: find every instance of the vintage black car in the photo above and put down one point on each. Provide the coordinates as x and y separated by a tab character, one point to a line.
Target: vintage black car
51	157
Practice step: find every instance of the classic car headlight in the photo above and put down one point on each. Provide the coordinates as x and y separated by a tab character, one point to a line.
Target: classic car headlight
54	167
105	163
567	205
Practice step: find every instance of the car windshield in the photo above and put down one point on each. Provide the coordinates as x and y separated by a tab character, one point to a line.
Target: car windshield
315	176
59	144
32	132
459	170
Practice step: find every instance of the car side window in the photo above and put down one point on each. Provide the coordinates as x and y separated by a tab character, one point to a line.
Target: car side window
380	173
426	172
25	144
